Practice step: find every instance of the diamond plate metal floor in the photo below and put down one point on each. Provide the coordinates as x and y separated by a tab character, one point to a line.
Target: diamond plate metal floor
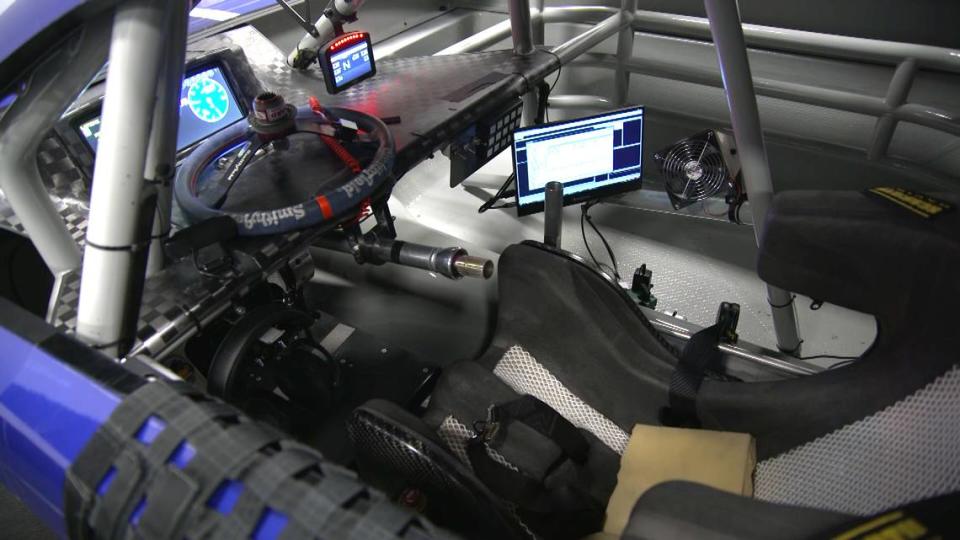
697	263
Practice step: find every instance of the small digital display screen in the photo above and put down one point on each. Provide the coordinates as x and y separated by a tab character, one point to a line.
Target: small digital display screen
347	60
591	157
207	105
351	63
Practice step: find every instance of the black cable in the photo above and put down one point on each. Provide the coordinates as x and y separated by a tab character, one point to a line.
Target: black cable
603	267
842	364
555	81
559	68
585	216
831	356
502	193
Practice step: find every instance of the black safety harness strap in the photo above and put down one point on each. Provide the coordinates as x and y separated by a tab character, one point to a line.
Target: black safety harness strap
510	484
540	417
562	510
700	354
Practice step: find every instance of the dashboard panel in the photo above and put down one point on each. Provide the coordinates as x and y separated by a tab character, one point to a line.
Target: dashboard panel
208	104
224	75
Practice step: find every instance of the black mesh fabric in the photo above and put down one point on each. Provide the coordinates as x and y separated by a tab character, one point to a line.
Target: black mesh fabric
126	485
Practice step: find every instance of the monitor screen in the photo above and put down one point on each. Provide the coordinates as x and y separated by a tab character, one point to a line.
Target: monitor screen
592	157
351	64
207	105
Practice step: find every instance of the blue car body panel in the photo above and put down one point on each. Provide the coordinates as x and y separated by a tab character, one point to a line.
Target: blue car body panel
48	412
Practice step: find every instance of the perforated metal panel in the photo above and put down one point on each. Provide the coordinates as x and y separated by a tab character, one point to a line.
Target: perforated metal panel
906	452
522	372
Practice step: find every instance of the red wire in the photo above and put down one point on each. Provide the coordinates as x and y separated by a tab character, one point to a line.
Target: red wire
365	211
345	156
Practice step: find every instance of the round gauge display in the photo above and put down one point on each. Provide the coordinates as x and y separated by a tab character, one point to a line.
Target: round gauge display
208	100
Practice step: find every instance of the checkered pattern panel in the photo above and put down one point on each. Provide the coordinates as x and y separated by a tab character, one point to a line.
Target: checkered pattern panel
60	170
65	184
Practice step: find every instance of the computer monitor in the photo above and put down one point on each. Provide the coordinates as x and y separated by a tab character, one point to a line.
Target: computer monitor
592	157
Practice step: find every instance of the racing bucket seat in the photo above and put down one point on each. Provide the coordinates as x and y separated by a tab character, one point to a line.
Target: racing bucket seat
878	433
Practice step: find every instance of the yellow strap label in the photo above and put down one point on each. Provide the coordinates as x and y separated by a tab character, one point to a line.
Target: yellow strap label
871	525
892	526
918	203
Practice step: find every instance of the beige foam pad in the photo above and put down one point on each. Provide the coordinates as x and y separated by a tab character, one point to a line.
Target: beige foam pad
656	454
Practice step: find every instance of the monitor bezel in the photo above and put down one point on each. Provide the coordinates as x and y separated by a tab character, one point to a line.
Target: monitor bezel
583	196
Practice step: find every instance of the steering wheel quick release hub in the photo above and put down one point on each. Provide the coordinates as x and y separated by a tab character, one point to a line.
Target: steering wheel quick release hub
272	117
286	168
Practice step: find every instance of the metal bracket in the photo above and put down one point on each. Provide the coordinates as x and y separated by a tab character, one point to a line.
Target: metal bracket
728	316
642	285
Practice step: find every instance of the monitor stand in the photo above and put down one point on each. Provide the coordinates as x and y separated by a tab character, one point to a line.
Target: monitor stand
553	215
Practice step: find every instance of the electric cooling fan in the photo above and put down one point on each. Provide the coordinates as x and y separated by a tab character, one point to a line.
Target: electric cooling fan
700	167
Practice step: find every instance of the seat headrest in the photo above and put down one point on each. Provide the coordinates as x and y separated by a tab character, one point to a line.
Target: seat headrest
863	252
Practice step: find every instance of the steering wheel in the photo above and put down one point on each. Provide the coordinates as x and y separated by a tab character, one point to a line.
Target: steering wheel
272	126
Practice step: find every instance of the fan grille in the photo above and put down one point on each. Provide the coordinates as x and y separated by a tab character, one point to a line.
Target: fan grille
694	170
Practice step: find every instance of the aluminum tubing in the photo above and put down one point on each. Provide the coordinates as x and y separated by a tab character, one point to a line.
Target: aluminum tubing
580	102
479	41
521	26
727	33
161	162
501	31
573	48
431	259
624	54
803	42
553	215
539	25
136	54
451	262
50	90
